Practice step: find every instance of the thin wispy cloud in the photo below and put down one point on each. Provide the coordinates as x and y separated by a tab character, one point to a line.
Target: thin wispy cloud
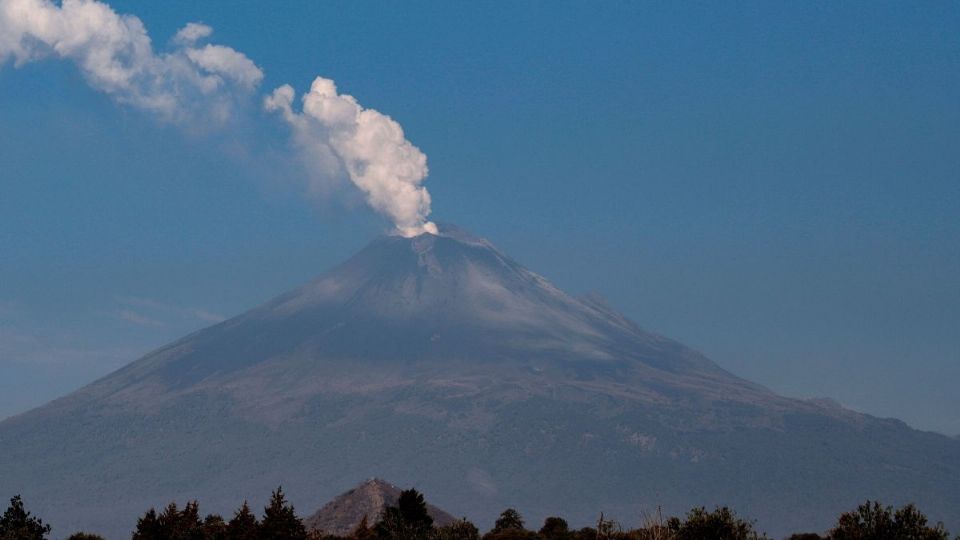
208	316
139	319
138	301
150	312
21	345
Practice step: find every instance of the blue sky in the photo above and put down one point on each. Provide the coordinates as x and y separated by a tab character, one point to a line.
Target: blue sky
775	184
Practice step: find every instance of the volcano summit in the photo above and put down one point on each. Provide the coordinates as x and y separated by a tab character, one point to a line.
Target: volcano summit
437	361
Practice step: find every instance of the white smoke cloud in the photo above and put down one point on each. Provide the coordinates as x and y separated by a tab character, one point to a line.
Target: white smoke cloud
115	55
228	63
195	83
333	130
192	32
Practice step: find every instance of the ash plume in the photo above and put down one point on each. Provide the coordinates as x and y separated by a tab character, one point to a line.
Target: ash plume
115	55
195	83
333	130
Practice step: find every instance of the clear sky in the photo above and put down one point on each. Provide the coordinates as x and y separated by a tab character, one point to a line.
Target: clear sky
774	184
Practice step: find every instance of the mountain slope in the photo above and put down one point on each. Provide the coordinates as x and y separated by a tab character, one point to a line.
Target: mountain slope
439	362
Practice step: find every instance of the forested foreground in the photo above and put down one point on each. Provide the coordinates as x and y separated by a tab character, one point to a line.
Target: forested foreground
409	520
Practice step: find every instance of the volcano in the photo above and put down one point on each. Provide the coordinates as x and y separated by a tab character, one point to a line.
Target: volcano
438	361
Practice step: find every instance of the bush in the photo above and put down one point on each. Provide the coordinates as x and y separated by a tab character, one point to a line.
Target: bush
586	533
721	524
555	528
458	530
871	521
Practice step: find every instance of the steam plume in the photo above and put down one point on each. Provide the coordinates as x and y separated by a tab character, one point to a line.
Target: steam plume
115	55
196	82
334	129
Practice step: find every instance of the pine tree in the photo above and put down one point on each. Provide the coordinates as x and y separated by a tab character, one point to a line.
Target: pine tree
169	521
171	524
408	520
244	525
148	527
17	524
414	509
279	520
190	526
214	528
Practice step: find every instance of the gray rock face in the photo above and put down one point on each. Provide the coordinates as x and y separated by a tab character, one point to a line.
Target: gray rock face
439	362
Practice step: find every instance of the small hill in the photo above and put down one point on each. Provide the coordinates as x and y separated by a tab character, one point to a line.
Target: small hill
342	515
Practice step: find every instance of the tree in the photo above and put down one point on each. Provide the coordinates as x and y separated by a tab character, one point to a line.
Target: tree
17	524
868	521
607	528
280	522
244	525
408	520
363	531
509	526
148	527
458	530
190	526
872	521
555	528
391	526
85	536
721	524
509	519
910	523
214	528
176	524
414	509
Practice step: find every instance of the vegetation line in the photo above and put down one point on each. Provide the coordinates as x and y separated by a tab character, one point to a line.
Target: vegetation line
409	520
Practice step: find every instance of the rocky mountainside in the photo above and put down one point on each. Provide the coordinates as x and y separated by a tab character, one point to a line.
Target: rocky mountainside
368	500
437	361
